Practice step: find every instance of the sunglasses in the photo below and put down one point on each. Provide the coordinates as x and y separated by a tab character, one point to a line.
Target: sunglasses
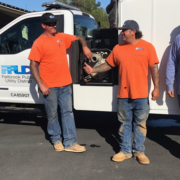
51	24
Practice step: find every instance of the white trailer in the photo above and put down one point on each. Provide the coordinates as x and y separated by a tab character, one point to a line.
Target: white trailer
159	22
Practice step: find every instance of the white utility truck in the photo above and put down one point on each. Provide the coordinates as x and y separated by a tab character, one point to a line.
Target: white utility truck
19	92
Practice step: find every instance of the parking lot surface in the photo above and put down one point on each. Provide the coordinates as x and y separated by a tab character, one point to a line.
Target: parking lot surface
26	152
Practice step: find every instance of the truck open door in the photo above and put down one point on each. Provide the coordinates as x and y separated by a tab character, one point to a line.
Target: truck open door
95	92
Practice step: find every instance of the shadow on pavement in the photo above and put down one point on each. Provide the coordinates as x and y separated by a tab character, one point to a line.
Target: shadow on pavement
25	119
159	133
107	125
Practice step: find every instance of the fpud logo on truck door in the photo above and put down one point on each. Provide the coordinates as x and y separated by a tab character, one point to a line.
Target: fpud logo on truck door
8	69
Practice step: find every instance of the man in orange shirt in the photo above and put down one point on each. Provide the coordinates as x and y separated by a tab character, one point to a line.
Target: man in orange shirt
48	54
133	57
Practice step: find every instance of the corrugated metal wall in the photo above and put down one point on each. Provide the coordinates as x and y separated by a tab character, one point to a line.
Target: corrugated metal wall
9	13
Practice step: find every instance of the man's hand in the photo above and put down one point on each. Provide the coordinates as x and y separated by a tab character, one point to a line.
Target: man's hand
170	93
45	90
155	78
87	52
98	69
88	69
155	94
33	67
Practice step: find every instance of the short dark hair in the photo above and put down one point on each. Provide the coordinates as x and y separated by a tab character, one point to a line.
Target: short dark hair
138	35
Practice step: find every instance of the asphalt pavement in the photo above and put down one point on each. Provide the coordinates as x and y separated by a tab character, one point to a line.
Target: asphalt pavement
26	152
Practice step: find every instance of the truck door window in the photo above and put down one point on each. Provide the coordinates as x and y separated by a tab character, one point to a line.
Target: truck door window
83	26
20	36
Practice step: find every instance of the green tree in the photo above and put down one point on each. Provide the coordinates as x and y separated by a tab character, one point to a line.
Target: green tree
63	1
90	7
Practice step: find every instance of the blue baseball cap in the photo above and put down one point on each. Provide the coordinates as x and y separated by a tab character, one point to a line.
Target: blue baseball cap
130	24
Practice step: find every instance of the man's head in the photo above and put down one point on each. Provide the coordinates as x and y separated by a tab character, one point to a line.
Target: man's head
130	31
49	21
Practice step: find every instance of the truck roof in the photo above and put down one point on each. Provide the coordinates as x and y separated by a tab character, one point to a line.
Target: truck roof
58	5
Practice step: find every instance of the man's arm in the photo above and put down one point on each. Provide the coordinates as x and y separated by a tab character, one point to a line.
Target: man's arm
155	78
102	68
86	50
35	73
171	66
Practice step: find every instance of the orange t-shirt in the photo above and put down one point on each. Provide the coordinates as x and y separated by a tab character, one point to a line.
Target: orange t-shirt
52	58
133	62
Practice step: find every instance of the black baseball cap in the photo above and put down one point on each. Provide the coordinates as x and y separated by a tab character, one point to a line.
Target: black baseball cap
130	24
48	18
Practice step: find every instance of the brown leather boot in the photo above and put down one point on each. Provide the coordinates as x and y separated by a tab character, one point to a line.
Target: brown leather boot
121	157
58	146
76	148
141	158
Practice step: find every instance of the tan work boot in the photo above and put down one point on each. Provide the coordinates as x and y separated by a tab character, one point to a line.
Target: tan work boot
141	158
58	146
76	148
121	157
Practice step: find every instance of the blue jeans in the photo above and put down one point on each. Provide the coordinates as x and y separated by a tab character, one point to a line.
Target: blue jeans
63	97
129	109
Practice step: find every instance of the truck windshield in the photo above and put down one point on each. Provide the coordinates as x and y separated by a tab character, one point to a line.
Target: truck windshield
83	26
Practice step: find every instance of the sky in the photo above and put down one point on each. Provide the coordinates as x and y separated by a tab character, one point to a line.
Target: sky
31	5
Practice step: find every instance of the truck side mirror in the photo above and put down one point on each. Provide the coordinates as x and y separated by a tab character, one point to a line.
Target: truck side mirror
112	10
